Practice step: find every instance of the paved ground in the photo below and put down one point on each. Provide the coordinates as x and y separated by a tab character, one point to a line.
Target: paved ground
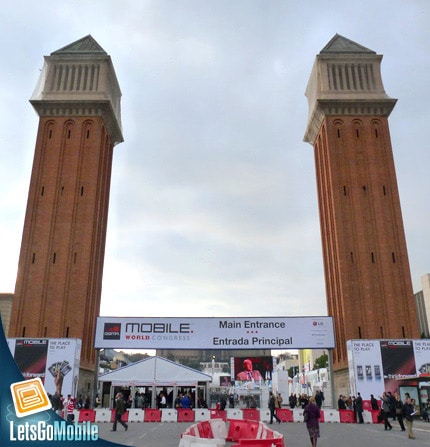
167	434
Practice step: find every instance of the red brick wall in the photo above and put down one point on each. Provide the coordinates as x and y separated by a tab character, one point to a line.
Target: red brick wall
368	282
58	287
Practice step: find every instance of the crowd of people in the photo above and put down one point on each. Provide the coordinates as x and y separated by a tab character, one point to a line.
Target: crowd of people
62	405
302	400
390	407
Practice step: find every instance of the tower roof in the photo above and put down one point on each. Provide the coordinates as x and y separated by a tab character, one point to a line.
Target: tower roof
79	79
86	45
342	45
345	80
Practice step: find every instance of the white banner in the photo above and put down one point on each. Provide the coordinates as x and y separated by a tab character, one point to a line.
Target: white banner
215	333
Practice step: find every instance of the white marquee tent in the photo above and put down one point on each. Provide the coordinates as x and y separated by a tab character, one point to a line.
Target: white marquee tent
156	372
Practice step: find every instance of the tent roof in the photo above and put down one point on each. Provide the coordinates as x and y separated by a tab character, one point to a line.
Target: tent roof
155	371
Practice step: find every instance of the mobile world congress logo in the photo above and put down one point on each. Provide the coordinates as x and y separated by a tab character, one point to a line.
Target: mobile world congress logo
112	331
29	397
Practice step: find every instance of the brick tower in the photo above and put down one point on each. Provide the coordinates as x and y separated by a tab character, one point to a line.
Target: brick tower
58	287
368	282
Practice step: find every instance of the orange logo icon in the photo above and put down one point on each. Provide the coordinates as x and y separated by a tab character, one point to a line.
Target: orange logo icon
29	397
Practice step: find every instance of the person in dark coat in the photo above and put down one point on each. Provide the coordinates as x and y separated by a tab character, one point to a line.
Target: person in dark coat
319	398
374	403
312	423
272	407
341	405
120	408
359	409
385	410
292	401
399	411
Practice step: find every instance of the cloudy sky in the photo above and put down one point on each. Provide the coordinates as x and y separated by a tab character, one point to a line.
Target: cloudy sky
213	207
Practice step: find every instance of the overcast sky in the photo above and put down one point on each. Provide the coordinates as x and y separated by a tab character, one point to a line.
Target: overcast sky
213	208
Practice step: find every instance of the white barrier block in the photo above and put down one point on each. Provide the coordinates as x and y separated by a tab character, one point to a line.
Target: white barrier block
331	415
135	415
191	441
169	415
206	442
219	428
298	415
264	415
102	415
232	413
367	417
202	414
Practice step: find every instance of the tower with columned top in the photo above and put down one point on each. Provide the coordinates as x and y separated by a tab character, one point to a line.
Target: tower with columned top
367	275
58	287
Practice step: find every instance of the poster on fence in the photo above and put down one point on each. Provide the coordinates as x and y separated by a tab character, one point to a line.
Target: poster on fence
376	366
54	360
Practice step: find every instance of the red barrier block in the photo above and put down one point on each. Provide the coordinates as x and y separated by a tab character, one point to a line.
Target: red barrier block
285	415
205	430
152	415
87	416
185	415
251	413
240	428
321	419
218	414
346	416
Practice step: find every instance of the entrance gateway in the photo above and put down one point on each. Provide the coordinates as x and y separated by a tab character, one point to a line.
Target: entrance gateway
248	333
215	333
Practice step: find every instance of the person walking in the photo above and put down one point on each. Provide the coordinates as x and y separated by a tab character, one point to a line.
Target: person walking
409	411
311	414
120	408
319	398
399	411
272	407
359	409
385	409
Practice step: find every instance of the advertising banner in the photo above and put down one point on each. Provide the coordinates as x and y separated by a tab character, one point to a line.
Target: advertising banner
54	360
31	356
214	333
365	368
376	366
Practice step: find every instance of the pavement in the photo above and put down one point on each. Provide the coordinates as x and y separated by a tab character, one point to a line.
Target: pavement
167	434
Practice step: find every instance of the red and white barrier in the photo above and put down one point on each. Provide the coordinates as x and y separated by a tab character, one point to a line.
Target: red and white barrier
101	415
